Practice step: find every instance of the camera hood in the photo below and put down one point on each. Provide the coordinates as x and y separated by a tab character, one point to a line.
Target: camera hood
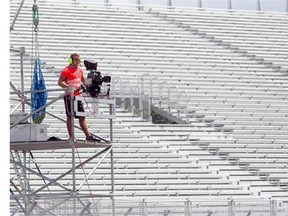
90	65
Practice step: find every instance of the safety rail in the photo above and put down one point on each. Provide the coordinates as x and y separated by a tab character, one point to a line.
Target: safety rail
151	91
129	98
173	99
166	206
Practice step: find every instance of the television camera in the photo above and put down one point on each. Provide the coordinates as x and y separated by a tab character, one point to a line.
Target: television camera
94	79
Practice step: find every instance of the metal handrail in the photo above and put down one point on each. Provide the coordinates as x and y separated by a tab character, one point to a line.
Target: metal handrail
37	110
130	98
179	104
142	90
118	79
151	86
139	101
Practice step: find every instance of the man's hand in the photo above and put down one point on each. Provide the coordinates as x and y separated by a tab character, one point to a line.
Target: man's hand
83	88
70	90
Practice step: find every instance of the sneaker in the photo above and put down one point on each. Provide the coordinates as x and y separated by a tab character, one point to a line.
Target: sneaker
93	139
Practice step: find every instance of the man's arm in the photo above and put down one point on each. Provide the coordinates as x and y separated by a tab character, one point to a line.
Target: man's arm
61	82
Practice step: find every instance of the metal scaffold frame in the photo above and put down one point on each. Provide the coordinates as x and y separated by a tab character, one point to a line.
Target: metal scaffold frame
34	201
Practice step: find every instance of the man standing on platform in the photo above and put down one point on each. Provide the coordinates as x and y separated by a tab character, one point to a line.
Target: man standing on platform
72	75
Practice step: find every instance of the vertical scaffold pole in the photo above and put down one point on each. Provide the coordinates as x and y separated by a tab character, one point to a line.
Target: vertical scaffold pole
70	91
111	113
25	182
22	53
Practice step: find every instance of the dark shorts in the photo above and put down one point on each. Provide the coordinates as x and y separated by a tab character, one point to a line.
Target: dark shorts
68	107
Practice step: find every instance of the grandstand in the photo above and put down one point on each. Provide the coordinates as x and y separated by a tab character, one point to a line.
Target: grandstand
220	76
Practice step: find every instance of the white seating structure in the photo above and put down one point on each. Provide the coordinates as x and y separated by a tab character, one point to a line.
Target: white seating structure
232	67
265	36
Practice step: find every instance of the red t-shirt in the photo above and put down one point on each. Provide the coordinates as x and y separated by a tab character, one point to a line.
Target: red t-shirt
73	77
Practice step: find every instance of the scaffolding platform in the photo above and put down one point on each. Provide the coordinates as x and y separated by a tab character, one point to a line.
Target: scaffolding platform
32	189
59	144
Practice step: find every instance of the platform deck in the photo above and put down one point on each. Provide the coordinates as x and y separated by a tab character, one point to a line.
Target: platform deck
61	144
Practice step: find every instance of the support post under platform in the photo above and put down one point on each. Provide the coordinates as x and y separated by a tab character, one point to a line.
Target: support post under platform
37	196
